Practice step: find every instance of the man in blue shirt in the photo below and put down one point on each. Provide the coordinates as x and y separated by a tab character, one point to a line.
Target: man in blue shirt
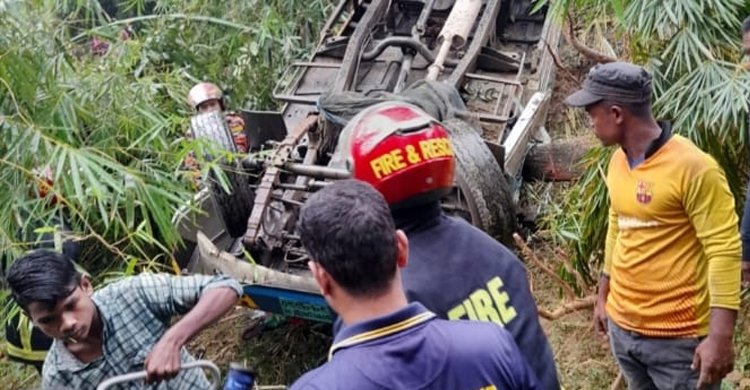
387	343
123	327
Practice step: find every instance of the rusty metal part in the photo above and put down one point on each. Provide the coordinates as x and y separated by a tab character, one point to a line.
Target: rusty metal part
212	260
375	11
496	68
419	27
317	171
271	178
311	186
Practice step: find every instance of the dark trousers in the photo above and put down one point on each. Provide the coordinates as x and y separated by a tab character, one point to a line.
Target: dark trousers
655	363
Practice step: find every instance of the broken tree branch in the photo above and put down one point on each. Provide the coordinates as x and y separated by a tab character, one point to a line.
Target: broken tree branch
531	256
558	62
569	267
570	307
618	382
585	51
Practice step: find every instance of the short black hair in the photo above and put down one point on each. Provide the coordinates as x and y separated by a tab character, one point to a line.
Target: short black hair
639	110
42	276
348	229
746	25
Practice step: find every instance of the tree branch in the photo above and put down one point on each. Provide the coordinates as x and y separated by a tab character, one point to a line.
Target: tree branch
585	51
558	62
567	308
529	255
618	382
571	270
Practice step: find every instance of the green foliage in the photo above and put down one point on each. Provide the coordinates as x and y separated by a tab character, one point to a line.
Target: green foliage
692	49
577	233
110	127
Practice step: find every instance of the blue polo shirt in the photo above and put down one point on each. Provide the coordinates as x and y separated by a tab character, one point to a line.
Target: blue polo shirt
413	349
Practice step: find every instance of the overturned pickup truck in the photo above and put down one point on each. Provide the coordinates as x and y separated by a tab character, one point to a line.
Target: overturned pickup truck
482	68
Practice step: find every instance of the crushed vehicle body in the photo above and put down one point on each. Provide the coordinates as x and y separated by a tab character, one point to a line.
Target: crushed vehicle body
480	67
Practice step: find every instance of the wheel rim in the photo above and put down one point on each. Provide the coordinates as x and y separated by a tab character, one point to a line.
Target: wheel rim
460	203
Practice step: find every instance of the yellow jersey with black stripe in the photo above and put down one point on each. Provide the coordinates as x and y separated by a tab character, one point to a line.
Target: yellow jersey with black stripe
673	245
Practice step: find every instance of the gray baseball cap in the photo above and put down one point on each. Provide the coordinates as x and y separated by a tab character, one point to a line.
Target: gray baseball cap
619	82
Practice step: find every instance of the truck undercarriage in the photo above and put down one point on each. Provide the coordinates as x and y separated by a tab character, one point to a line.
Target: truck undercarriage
480	67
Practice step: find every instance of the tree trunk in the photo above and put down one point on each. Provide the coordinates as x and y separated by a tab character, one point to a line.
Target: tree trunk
557	161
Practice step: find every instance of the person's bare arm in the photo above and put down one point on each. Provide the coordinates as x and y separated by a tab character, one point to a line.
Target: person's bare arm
714	357
710	206
200	299
164	360
600	314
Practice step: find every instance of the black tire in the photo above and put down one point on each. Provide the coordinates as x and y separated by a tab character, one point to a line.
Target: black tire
236	205
481	183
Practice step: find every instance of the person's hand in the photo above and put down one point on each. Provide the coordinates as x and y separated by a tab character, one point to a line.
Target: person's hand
714	357
163	362
600	319
746	274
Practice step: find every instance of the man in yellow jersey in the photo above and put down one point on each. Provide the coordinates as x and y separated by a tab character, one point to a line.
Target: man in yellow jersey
669	291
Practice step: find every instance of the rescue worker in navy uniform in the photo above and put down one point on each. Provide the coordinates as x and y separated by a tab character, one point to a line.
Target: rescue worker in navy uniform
455	269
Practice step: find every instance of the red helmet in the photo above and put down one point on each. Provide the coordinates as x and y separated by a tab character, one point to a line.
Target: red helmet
402	151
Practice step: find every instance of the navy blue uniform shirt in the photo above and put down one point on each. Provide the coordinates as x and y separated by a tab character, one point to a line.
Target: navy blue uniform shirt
459	272
745	227
412	349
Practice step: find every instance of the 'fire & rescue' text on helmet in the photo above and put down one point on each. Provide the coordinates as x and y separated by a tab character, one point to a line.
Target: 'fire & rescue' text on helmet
402	151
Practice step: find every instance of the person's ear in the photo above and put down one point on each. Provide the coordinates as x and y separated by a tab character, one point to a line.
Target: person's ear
402	249
86	286
321	276
617	113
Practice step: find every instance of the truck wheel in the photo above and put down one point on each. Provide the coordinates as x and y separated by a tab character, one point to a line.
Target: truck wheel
236	205
482	194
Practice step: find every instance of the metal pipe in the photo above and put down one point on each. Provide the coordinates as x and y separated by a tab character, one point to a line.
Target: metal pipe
407	42
403	74
330	22
133	376
282	199
422	21
455	32
437	66
312	185
485	27
318	172
350	62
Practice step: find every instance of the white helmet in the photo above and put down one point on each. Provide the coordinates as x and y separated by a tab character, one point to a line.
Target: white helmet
202	92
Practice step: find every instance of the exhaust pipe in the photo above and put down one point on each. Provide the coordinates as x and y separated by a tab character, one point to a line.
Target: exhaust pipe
455	32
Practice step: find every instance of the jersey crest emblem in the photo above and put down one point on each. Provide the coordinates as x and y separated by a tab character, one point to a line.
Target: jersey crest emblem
644	192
